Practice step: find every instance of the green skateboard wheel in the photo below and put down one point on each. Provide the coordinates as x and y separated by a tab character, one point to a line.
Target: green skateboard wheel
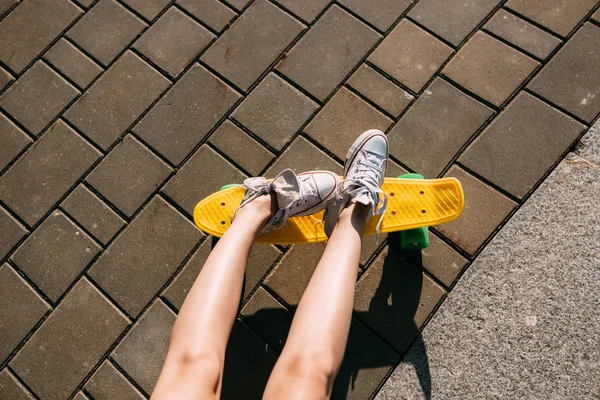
230	186
414	239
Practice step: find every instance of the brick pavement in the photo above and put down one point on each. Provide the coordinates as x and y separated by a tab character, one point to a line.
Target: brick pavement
117	116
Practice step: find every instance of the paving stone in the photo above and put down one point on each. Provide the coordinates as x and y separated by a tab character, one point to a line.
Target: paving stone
20	310
37	97
238	4
489	68
307	10
382	13
369	247
484	210
252	43
73	63
560	16
85	3
93	214
149	9
69	343
12	388
117	99
55	255
106	30
177	124
10	234
303	156
522	34
141	260
522	144
570	80
5	78
128	175
59	158
410	55
275	111
204	166
6	4
451	20
436	127
140	360
31	27
173	41
108	383
323	58
80	396
596	16
395	298
380	90
212	12
342	120
13	141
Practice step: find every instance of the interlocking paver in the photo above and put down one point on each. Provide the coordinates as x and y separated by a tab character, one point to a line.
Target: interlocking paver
5	78
142	259
13	141
307	9
485	209
321	60
303	156
432	132
489	68
189	110
140	360
108	383
173	41
410	55
55	255
93	214
204	166
380	90
128	175
522	144
73	63
571	80
275	111
11	388
560	16
450	19
10	234
241	148
32	26
596	16
238	4
85	3
20	310
37	97
212	12
44	174
522	34
149	9
342	120
69	343
6	4
381	13
117	99
106	30
252	43
80	396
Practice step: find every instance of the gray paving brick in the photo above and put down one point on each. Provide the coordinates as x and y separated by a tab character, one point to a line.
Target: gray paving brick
10	234
177	123
5	78
108	383
93	214
75	336
238	4
436	127
141	361
117	99
85	3
149	9
323	58
381	13
32	26
522	144
55	255
59	158
410	55
571	80
20	309
275	111
6	4
12	388
37	97
303	156
212	12
128	175
80	396
252	43
141	260
489	68
342	120
307	9
106	30
596	16
73	63
13	141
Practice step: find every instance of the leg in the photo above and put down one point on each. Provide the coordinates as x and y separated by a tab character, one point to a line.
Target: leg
193	367
315	346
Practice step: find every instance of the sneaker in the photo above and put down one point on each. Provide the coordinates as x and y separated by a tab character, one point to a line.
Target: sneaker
297	195
364	172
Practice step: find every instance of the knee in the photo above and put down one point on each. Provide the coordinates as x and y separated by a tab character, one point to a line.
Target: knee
312	362
204	364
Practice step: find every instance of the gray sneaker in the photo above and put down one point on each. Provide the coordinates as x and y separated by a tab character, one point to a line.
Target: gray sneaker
364	172
297	195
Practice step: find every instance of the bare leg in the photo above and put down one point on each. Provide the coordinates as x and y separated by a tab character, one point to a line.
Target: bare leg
193	368
317	340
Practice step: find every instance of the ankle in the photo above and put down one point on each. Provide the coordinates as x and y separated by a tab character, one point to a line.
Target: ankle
256	212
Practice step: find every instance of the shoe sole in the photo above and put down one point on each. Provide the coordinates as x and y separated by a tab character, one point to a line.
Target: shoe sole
359	143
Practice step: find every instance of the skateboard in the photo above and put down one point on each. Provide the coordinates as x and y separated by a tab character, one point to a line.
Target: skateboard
414	204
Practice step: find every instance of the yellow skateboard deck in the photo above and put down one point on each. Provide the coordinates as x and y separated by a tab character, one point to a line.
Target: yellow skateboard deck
412	204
